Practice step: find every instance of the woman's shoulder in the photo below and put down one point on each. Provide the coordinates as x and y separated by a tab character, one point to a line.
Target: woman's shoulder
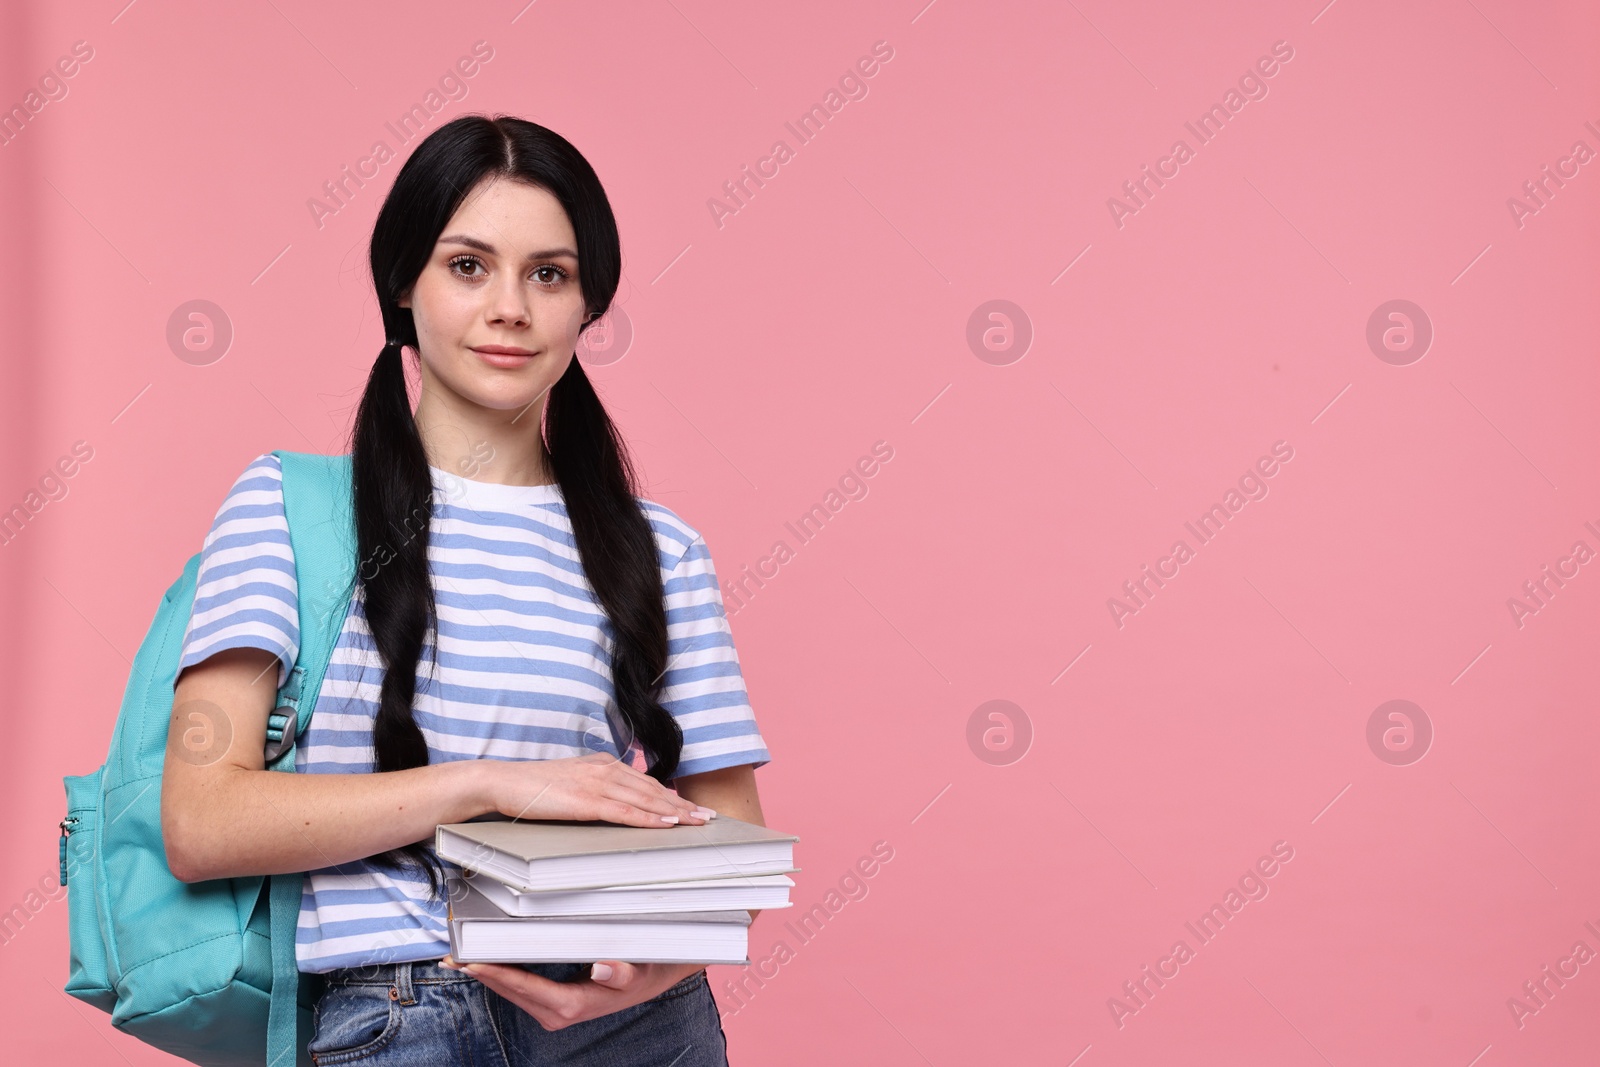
262	474
256	493
674	535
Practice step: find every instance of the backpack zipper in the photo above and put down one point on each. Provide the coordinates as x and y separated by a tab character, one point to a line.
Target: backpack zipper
66	831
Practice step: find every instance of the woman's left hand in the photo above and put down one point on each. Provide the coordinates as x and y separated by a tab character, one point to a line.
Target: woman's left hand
556	1005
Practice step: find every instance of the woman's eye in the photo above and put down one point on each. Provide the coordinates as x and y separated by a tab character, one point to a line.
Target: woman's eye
550	276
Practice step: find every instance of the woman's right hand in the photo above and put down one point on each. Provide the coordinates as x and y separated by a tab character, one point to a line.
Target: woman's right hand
597	786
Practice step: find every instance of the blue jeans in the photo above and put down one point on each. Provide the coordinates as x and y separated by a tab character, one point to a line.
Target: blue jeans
411	1014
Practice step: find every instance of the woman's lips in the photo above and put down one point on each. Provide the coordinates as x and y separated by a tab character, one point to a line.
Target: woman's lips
504	360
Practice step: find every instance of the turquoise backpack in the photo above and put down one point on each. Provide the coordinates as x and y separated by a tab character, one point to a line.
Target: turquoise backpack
205	971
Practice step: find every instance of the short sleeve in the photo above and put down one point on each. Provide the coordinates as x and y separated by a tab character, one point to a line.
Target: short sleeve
703	687
245	590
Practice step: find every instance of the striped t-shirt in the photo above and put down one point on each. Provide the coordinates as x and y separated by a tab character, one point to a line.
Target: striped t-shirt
523	670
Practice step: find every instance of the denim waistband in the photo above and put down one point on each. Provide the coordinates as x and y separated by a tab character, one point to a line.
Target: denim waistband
401	977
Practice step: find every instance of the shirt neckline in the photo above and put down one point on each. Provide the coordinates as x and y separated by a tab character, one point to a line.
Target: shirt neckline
451	488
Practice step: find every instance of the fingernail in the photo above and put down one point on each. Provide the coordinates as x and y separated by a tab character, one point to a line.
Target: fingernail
704	813
669	818
600	972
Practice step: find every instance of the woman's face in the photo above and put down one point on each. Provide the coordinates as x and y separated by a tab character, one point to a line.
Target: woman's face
504	273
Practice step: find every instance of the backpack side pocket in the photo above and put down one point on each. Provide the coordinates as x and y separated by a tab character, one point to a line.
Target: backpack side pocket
87	977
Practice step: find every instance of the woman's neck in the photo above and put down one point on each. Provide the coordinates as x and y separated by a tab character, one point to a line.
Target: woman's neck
500	452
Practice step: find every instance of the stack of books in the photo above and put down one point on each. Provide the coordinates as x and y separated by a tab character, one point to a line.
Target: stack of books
547	891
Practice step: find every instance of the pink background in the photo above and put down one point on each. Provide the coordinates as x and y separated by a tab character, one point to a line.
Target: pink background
832	311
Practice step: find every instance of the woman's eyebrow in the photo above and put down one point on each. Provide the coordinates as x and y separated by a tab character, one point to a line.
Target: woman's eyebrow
484	246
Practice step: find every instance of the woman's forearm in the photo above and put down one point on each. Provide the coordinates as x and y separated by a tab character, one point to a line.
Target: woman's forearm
249	822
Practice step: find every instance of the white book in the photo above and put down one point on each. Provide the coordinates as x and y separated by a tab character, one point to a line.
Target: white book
761	893
541	854
481	933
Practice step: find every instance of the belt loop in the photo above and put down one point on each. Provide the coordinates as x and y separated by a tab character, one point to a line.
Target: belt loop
402	989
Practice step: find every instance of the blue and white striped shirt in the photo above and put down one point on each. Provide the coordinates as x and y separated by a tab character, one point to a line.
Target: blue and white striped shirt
523	669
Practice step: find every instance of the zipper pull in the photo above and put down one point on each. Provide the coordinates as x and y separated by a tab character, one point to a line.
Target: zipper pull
66	831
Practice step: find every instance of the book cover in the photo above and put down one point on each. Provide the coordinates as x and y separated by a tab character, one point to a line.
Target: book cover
544	854
536	839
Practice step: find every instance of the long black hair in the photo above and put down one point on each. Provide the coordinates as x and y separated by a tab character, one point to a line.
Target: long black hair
597	479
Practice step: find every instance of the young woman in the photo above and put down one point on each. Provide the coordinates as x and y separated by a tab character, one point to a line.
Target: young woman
501	652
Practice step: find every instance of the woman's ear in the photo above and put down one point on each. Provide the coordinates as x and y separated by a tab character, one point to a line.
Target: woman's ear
404	299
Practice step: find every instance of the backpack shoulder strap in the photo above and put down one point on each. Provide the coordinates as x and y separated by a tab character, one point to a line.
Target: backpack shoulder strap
317	502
